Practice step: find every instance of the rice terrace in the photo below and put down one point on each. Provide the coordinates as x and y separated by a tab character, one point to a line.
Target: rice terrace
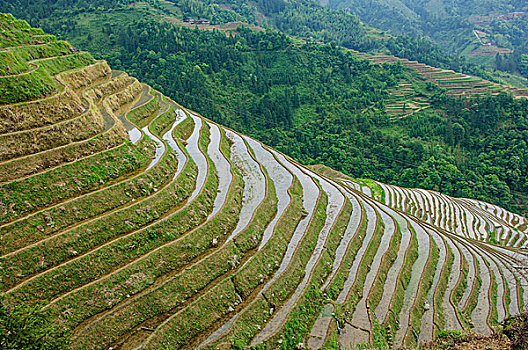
135	223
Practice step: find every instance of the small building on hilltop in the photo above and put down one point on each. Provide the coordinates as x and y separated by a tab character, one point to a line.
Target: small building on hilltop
202	21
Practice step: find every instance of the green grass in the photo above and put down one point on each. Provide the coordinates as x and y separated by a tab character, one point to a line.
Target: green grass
45	223
198	317
138	242
267	260
387	261
278	292
144	114
263	264
62	106
364	268
29	142
21	167
108	89
462	80
403	282
310	304
70	180
183	285
426	282
23	36
164	122
336	285
439	317
34	85
9	22
59	64
11	63
180	286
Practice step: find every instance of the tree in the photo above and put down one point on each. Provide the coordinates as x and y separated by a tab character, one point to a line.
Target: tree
24	328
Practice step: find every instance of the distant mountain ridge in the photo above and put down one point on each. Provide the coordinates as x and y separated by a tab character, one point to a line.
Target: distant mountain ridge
452	25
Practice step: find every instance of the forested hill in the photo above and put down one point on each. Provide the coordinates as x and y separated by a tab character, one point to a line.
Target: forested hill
486	32
317	102
302	18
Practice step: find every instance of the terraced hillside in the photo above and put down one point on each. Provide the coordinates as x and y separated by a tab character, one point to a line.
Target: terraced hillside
139	224
405	100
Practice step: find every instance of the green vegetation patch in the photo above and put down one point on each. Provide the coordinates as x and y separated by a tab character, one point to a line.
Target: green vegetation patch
439	317
185	283
31	86
144	114
70	180
387	261
137	240
426	282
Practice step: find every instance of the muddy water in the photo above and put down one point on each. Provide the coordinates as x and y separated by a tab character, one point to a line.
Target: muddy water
361	315
223	168
352	184
134	135
198	157
169	138
320	327
336	201
427	325
352	227
282	179
414	283
479	316
470	276
451	320
371	226
382	309
254	181
501	308
160	147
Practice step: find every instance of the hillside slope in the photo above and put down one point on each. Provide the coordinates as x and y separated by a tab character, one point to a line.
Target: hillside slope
484	32
138	223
